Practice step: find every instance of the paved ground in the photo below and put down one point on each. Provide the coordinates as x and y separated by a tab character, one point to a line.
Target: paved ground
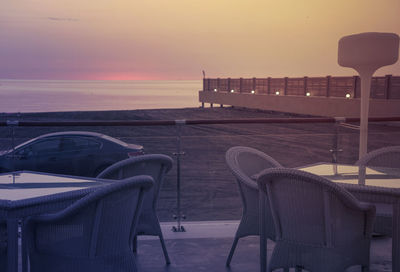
205	246
193	252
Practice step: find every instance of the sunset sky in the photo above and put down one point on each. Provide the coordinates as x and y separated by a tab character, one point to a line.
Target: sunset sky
177	39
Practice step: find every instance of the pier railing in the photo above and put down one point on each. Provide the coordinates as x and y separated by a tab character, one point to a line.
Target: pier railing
382	87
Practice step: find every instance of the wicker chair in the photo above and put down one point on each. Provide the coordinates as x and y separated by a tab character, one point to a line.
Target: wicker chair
386	157
156	166
319	225
245	163
92	234
3	245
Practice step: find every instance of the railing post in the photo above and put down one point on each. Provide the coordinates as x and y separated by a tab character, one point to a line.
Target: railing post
388	85
178	216
218	84
328	86
12	124
335	143
254	84
229	84
208	84
269	85
305	85
355	79
240	85
285	86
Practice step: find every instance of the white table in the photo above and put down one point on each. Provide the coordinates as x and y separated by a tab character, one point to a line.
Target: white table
25	193
381	186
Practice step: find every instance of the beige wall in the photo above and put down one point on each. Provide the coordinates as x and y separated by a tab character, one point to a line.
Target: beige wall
319	106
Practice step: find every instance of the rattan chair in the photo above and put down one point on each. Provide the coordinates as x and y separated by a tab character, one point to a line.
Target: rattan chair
93	234
246	163
156	166
386	157
319	225
3	245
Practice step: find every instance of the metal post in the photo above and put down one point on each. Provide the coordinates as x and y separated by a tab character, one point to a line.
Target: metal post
335	144
305	83
285	85
388	83
178	216
328	86
12	124
355	81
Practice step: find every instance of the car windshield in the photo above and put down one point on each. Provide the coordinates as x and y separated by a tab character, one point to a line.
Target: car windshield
114	140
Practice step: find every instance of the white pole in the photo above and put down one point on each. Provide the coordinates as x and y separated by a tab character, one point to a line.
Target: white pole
367	52
365	94
363	145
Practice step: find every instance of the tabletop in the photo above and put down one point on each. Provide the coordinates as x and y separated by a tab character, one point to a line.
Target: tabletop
377	177
24	185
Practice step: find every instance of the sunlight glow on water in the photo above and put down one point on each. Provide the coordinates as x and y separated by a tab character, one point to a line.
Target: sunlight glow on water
79	95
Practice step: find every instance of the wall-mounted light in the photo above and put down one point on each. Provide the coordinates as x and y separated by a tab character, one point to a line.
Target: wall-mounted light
308	94
253	92
232	91
277	92
215	90
348	95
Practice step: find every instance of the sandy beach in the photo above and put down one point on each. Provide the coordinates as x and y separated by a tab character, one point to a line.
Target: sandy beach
208	189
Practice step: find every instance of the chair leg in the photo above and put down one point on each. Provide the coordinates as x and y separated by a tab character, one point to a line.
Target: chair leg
134	244
164	249
364	268
228	261
298	269
24	254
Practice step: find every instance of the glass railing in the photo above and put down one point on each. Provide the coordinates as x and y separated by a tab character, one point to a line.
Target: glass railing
208	190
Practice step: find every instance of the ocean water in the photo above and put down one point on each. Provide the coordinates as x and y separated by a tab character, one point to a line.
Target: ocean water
88	95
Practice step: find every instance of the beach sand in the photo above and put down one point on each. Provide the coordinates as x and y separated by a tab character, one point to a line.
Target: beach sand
209	191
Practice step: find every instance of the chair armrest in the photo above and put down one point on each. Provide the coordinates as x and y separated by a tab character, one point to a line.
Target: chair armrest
75	207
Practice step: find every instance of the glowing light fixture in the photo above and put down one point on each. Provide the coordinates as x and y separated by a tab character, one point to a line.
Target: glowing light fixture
277	92
308	94
232	91
348	95
253	92
215	90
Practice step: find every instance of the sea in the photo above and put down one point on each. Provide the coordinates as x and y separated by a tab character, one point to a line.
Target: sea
96	95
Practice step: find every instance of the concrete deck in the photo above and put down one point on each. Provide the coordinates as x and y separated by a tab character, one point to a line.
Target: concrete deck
205	246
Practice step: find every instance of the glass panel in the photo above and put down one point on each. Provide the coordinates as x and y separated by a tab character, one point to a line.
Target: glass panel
208	189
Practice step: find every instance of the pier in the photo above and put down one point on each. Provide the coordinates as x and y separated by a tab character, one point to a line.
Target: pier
319	96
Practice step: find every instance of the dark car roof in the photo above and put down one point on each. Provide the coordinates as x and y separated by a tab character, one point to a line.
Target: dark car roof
81	133
70	133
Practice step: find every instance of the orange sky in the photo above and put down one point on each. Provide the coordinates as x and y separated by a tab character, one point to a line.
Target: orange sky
171	39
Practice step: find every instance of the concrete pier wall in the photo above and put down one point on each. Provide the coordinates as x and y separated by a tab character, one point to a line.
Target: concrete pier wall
318	106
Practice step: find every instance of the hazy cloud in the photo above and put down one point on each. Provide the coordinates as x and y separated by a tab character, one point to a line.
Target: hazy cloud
62	19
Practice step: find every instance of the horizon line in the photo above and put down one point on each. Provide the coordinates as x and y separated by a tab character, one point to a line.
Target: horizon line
197	79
